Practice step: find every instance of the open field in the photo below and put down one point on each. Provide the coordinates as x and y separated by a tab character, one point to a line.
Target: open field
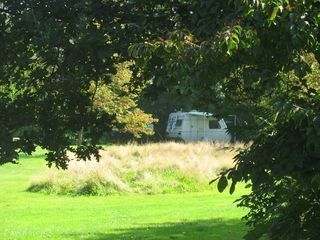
26	215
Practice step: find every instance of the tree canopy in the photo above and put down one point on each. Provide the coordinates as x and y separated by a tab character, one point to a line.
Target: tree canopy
261	56
51	52
258	55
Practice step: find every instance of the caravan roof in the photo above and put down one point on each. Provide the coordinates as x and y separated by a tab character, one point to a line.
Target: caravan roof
195	113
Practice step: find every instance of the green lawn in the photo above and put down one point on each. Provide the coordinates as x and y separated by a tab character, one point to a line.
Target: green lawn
24	215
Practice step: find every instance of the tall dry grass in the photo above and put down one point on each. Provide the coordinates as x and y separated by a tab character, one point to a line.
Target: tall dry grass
151	168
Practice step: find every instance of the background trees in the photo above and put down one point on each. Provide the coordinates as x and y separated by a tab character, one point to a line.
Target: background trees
116	99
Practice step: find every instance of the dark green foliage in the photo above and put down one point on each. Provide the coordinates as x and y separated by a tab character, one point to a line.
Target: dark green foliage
282	165
51	53
238	54
254	55
222	184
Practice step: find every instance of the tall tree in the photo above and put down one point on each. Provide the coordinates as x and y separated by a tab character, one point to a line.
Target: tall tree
51	52
253	54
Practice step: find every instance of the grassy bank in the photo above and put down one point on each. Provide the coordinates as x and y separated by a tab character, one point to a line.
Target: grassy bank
150	169
24	215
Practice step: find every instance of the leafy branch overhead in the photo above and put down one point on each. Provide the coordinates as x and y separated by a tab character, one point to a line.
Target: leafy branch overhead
51	52
261	56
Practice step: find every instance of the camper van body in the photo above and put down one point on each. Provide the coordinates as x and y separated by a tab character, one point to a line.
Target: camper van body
197	126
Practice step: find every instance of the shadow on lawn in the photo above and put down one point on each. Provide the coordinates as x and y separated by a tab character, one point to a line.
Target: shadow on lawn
214	229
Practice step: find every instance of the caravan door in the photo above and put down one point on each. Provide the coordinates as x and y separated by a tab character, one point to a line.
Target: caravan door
197	127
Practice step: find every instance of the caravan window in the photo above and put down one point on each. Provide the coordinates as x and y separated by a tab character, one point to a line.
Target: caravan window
179	123
214	124
170	124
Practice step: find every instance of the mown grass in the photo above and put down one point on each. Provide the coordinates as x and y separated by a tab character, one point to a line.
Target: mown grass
150	169
24	215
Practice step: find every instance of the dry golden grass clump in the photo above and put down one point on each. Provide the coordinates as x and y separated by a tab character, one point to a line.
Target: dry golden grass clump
150	168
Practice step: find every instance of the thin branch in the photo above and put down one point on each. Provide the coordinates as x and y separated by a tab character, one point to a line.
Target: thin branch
192	44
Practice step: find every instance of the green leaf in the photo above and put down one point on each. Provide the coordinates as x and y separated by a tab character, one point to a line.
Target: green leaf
235	37
222	184
231	44
232	187
274	13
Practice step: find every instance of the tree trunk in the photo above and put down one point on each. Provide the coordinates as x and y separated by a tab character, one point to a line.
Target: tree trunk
80	137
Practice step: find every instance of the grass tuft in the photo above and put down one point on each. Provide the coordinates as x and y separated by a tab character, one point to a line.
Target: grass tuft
150	169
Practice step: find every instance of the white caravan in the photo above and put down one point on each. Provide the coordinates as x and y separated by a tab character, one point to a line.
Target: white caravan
197	126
